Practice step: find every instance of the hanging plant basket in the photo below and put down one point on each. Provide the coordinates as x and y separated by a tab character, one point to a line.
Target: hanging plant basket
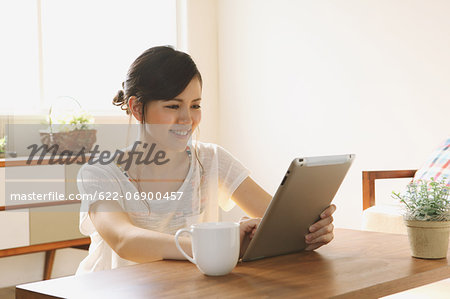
73	141
72	131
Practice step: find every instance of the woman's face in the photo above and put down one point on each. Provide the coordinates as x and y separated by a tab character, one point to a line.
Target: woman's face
171	122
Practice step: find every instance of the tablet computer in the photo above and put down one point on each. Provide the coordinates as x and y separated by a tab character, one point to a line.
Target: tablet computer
307	189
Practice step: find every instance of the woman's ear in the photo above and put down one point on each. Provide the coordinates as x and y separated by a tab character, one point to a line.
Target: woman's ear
135	108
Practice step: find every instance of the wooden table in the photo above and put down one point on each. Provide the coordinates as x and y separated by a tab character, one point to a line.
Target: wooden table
357	264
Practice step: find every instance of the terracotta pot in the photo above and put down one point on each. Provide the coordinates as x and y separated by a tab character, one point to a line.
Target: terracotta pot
428	239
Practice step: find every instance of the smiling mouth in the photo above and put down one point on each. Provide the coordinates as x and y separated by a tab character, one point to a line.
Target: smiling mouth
181	133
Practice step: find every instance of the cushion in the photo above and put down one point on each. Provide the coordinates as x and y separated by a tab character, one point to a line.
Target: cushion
384	219
437	166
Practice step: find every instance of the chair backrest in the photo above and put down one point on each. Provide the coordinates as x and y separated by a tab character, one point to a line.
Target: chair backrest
368	182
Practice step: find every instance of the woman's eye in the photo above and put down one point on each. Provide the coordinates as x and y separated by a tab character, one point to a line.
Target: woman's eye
178	106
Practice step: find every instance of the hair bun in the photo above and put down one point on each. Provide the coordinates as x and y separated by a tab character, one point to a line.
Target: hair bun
119	100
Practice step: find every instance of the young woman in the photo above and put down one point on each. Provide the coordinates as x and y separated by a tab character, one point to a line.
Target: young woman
163	92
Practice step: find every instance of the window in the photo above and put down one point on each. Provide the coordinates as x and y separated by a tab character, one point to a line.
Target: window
19	80
87	47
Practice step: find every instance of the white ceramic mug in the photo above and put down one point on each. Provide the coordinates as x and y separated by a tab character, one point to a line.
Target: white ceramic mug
215	246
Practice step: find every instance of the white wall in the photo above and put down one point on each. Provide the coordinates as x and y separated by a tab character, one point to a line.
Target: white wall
197	35
299	78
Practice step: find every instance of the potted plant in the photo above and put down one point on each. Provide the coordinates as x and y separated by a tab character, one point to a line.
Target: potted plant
427	217
2	147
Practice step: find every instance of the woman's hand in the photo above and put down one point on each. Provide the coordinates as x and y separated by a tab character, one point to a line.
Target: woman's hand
248	227
321	232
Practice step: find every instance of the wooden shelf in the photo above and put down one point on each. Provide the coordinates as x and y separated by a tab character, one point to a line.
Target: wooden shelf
23	161
39	205
49	248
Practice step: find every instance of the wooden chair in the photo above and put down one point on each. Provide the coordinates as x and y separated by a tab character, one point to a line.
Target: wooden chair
368	182
382	218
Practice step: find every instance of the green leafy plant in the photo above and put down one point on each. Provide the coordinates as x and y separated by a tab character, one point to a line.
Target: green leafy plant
80	120
426	200
2	144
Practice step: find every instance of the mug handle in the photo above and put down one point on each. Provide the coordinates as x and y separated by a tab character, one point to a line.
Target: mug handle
179	232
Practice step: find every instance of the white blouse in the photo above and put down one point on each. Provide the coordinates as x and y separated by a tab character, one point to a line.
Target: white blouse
203	192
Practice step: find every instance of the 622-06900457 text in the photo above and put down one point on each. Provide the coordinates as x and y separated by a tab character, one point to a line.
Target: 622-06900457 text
138	195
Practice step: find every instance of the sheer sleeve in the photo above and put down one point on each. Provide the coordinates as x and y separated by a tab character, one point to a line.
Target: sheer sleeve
94	183
231	174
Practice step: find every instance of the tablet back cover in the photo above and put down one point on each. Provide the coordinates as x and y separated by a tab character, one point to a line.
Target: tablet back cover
307	189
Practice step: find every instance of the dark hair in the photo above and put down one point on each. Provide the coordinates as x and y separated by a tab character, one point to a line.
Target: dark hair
160	73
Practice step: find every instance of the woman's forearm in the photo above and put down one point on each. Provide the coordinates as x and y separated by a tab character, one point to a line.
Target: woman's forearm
142	245
251	198
132	242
